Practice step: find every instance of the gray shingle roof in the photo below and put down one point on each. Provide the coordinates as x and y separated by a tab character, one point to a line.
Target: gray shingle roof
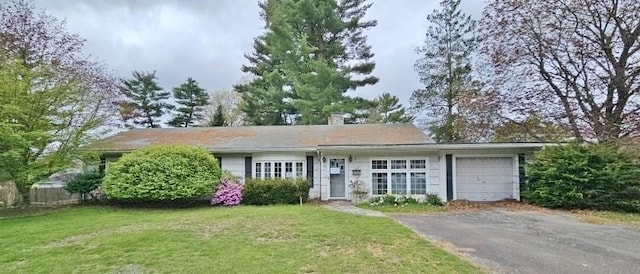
265	138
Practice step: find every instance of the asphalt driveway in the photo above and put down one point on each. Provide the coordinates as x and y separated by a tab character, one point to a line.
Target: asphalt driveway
533	242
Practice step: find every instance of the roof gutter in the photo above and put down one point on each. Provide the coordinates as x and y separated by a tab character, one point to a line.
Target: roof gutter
435	146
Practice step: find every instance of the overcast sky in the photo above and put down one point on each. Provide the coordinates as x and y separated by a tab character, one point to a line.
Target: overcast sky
206	39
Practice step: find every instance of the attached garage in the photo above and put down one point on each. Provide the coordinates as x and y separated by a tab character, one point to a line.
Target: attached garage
485	178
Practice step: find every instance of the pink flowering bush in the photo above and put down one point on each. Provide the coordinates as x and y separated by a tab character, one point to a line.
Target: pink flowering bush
229	192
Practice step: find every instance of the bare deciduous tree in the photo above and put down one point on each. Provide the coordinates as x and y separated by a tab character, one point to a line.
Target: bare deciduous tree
576	62
230	102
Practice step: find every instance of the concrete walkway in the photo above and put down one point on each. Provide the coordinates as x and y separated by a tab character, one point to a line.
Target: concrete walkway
347	207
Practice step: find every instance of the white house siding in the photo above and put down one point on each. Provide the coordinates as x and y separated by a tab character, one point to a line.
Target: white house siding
233	164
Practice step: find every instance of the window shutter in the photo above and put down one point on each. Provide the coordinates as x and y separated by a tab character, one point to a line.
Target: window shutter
449	160
522	175
310	170
219	161
248	164
103	164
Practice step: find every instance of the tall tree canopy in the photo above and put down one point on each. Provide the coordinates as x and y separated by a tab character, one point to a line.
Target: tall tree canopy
445	70
191	100
218	118
53	99
231	101
388	110
572	62
146	101
311	53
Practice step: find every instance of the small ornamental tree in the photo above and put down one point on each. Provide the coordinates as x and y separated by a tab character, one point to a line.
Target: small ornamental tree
598	177
84	184
171	173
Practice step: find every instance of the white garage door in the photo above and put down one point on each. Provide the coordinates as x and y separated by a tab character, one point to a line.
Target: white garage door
484	179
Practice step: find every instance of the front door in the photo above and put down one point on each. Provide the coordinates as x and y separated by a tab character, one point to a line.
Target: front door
337	178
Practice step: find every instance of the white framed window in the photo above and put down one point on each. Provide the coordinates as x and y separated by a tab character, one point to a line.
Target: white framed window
279	169
258	173
288	170
418	183
379	183
399	176
267	170
299	169
379	164
398	164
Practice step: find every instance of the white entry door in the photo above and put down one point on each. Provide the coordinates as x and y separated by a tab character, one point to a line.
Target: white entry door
337	178
484	178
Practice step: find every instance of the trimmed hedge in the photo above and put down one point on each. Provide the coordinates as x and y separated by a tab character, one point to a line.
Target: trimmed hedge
169	173
600	177
275	191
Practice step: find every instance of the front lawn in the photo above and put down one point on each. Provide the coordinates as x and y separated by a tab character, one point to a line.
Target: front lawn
274	239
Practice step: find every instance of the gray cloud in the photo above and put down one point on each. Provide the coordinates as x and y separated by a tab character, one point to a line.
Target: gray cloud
206	40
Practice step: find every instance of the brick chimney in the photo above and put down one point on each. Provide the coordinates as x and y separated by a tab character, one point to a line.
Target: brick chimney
336	119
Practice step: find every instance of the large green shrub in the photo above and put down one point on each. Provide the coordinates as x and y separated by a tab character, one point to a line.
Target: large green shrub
275	191
170	173
598	177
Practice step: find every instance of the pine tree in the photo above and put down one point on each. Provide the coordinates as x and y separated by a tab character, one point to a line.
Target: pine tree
445	69
312	52
191	99
388	110
145	102
218	119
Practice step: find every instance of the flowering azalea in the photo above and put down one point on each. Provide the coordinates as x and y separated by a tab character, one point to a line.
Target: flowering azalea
229	193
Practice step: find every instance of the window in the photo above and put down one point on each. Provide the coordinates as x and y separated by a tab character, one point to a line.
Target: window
399	176
277	169
258	170
398	164
288	170
267	170
379	183
418	164
299	170
418	183
379	164
399	183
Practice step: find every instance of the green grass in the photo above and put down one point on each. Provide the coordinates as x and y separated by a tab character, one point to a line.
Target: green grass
274	239
410	208
603	217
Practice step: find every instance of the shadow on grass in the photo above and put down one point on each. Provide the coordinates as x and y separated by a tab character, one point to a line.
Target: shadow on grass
28	211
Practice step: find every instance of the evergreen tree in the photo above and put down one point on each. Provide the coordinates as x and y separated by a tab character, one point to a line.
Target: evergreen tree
445	69
191	99
388	110
145	102
218	119
312	52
